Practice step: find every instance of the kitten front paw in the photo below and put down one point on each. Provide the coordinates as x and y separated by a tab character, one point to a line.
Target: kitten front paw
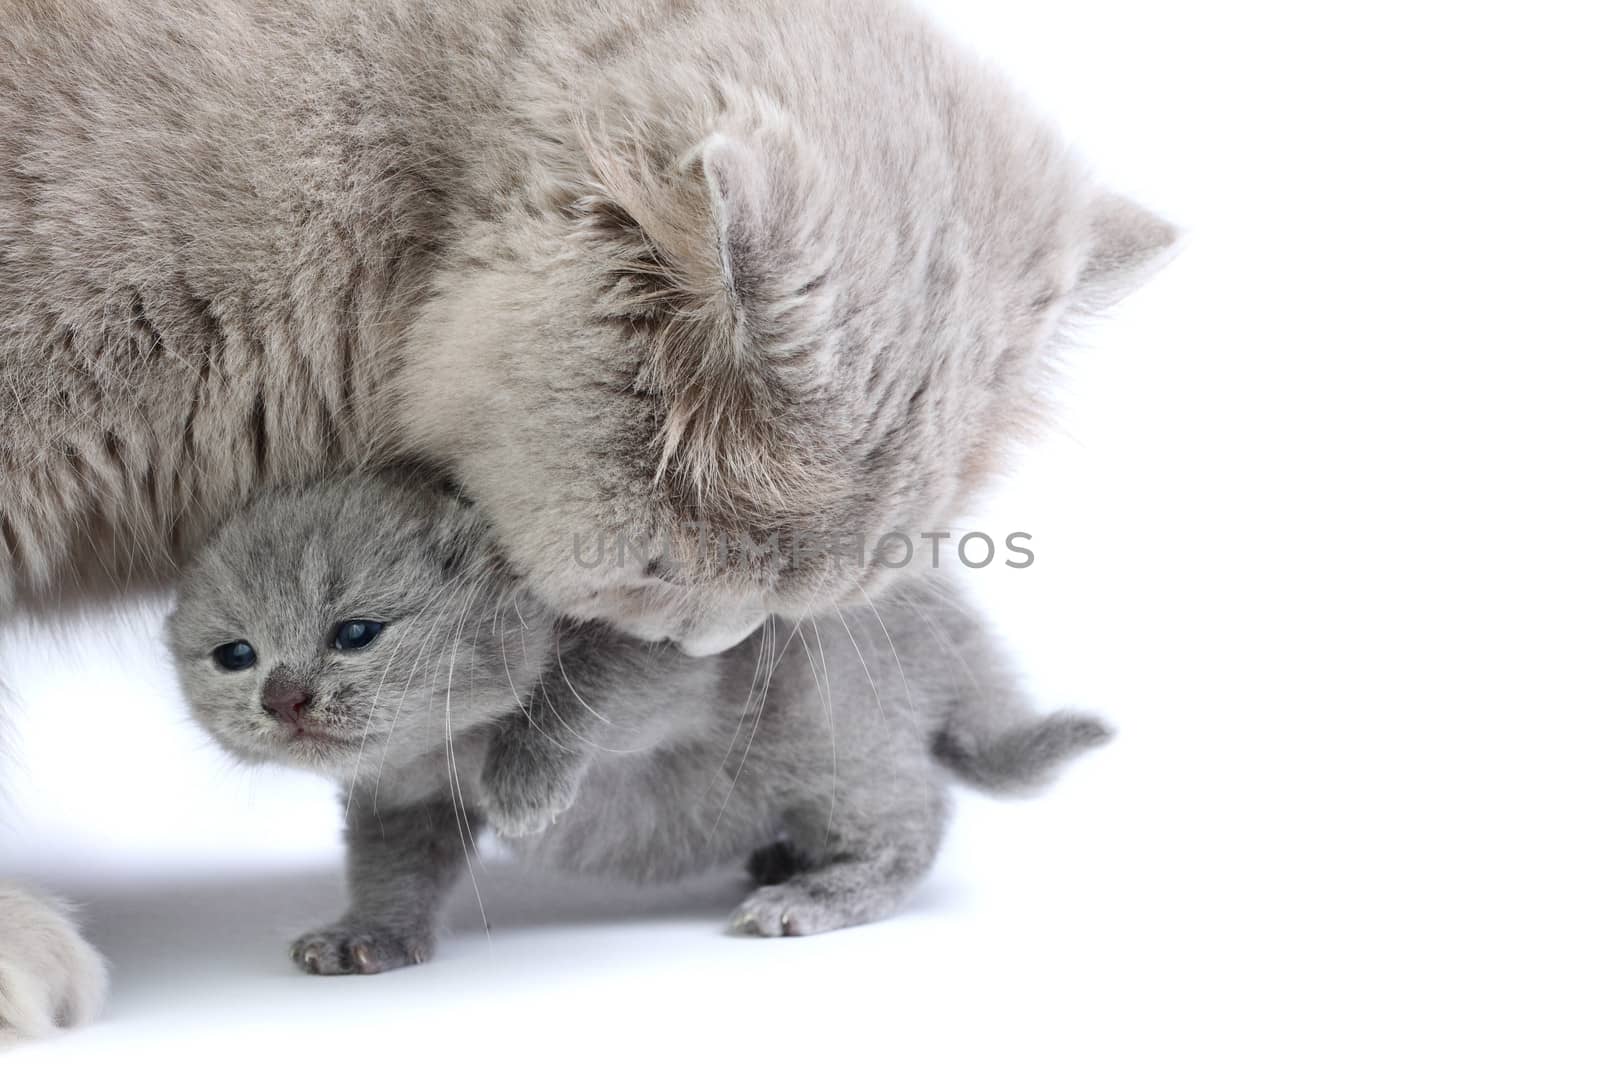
525	792
356	949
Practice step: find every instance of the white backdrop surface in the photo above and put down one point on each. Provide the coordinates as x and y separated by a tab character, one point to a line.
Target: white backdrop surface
1318	535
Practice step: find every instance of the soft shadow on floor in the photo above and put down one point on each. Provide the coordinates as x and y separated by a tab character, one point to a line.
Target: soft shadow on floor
218	942
131	918
208	929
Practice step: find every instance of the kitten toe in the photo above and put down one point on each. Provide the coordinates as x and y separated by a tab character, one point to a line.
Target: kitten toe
339	951
787	910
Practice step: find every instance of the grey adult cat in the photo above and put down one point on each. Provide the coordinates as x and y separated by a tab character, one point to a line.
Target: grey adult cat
370	629
622	266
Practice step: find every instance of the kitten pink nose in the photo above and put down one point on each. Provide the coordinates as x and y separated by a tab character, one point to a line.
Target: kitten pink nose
286	701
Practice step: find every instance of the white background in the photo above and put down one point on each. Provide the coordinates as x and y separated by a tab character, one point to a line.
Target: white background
1319	536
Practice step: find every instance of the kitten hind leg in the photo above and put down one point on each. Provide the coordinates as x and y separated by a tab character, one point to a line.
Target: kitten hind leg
854	873
401	865
776	863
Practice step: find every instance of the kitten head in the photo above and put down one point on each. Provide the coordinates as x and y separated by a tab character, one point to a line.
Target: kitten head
335	626
795	291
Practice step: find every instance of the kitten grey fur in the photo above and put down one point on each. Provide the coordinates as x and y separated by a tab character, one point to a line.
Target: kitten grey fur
819	752
621	266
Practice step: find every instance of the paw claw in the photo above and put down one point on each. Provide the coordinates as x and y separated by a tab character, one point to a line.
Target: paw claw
354	950
795	909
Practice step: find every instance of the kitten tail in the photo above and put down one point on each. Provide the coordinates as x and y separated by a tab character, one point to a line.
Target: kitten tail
1020	759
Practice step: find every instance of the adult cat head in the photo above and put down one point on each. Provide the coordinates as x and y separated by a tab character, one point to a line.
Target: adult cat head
776	272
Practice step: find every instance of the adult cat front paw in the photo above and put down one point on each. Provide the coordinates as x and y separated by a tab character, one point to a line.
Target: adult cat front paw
360	949
49	977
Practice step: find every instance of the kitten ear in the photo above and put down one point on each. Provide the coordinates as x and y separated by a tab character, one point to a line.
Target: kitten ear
1129	244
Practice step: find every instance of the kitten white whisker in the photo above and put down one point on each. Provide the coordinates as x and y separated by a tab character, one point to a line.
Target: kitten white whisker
416	662
372	709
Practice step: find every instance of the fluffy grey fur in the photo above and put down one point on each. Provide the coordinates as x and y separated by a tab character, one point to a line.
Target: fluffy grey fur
622	266
51	979
771	266
818	751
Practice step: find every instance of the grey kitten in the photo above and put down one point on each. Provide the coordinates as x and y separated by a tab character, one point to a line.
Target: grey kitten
367	628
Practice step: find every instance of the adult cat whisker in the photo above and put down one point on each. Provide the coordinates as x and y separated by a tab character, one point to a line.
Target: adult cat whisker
516	694
755	670
755	681
872	683
567	680
939	635
825	693
538	696
765	660
866	598
458	799
580	741
945	596
754	728
581	744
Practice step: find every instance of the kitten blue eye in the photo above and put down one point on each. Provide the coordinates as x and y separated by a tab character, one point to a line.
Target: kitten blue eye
352	636
237	656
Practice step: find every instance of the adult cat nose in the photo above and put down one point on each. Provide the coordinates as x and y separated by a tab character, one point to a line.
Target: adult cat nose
285	700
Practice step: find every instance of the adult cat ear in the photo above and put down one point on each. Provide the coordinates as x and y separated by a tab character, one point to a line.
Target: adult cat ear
760	197
724	432
737	186
1129	244
706	264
